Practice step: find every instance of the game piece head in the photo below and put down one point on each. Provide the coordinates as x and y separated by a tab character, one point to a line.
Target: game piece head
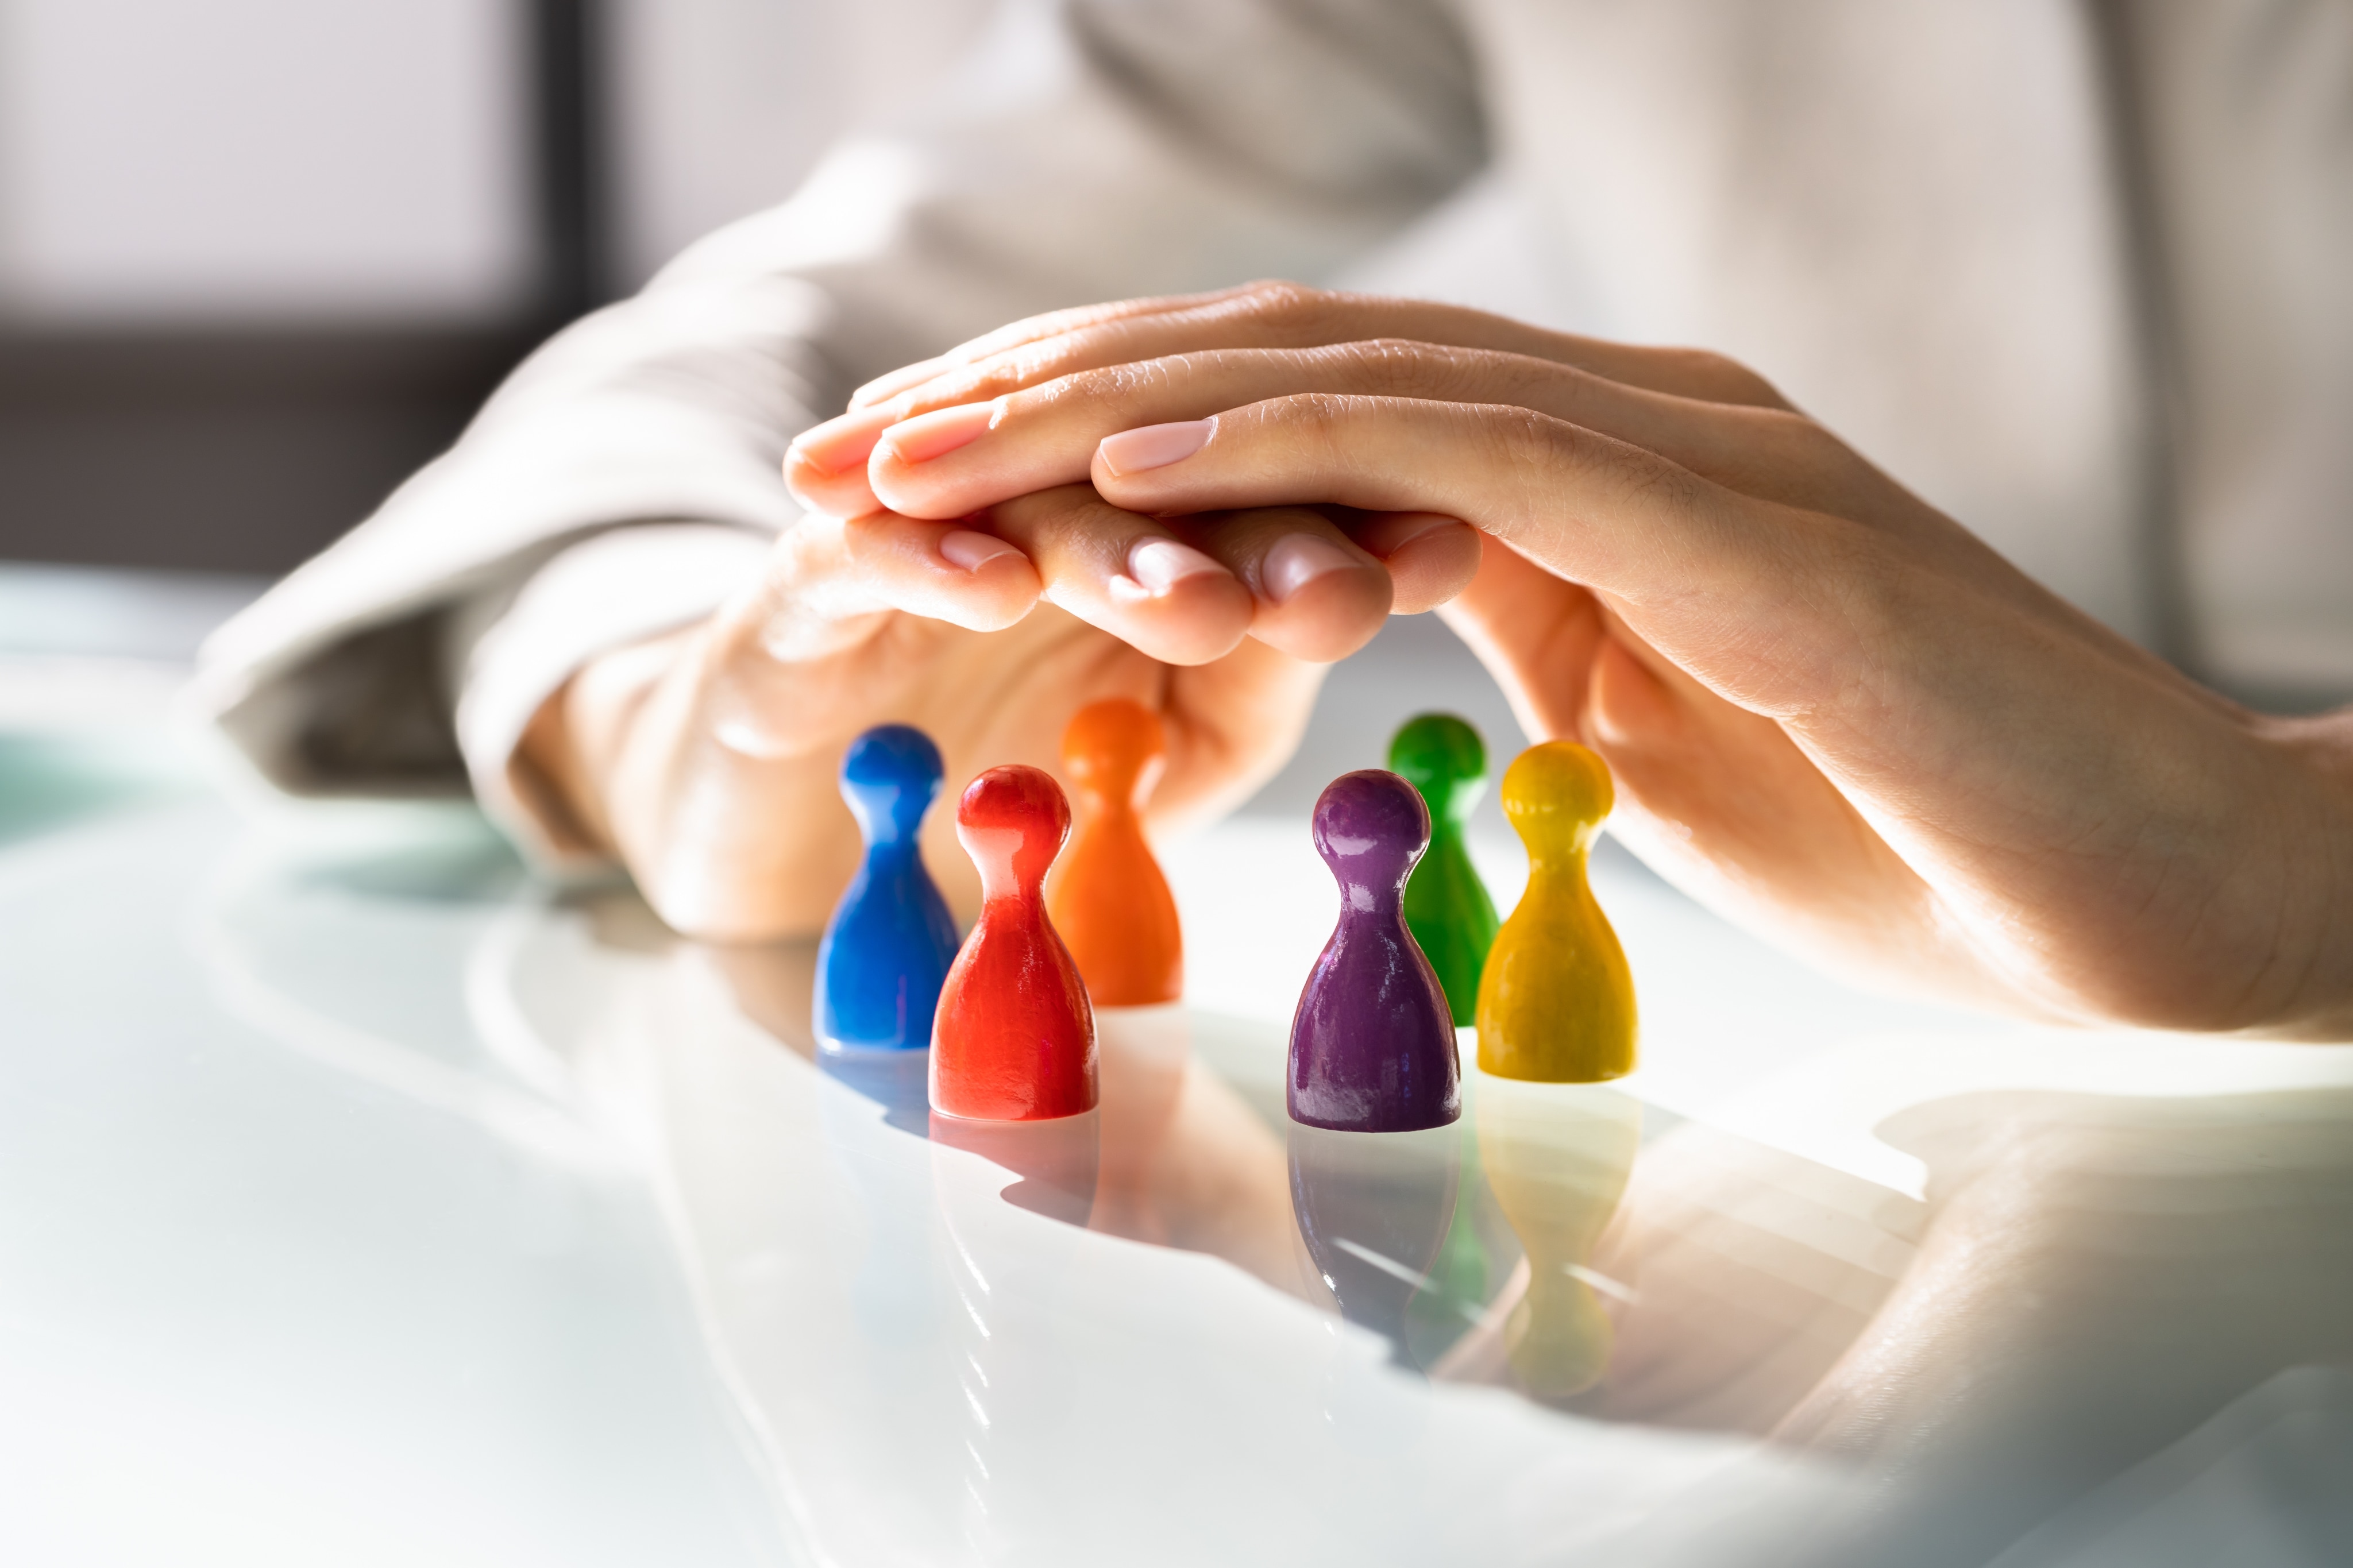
1114	750
1441	756
890	777
1370	827
1556	794
1012	821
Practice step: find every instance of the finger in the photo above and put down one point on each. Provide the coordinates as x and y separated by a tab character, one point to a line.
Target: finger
1131	575
1431	558
825	469
1259	315
1030	329
1288	315
1541	484
947	572
1316	593
1187	589
822	466
1589	508
827	601
955	460
1271	315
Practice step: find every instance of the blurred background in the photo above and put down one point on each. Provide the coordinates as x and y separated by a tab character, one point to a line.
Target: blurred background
260	258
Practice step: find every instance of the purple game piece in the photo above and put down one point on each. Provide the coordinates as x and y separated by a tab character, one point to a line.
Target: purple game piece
1372	1045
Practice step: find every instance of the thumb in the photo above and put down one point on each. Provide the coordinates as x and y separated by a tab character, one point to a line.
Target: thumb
832	581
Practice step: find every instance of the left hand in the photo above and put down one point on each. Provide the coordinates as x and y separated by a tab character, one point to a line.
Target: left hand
1831	711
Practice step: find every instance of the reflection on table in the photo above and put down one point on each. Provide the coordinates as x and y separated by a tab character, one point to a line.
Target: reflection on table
2111	1313
2090	1278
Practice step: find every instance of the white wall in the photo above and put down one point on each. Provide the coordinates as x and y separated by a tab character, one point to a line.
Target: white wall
262	158
721	106
275	159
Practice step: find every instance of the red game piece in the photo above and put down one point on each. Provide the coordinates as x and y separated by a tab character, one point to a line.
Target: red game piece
1014	1038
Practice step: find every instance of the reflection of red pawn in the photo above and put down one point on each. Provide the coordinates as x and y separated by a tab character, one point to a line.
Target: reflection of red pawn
1014	1039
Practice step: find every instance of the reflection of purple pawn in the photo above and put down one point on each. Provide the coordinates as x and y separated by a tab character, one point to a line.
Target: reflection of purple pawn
1372	1047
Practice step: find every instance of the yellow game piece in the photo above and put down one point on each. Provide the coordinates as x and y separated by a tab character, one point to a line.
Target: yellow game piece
1556	1157
1556	1001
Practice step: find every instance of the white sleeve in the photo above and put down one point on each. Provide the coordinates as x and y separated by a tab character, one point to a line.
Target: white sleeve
509	655
1090	150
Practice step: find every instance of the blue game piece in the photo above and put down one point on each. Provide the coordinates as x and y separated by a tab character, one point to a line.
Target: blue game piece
891	941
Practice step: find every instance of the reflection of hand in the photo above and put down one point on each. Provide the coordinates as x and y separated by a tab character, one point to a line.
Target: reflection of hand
1830	710
705	759
2090	1279
2098	1276
1753	1270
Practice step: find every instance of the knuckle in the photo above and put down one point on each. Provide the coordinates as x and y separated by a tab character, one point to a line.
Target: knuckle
1722	378
1539	444
1436	373
1814	452
1400	367
1654	479
1114	384
1314	418
1278	294
1524	440
1296	312
1524	448
1318	410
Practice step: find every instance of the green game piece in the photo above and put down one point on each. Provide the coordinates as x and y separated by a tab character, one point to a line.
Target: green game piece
1460	1271
1446	906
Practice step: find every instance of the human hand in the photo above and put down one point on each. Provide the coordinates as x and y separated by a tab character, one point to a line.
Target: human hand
705	759
1831	711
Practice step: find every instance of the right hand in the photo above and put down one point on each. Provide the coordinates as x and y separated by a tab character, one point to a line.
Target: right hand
1831	711
705	759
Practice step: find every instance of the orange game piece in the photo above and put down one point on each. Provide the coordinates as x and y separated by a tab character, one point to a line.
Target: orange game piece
1014	1038
1109	899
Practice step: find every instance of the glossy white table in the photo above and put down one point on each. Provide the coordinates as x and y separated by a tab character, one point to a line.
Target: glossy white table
362	1202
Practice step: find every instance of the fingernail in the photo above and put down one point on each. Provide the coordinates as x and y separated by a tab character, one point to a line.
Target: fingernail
963	547
935	435
1155	445
1156	566
1406	529
1298	560
842	442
